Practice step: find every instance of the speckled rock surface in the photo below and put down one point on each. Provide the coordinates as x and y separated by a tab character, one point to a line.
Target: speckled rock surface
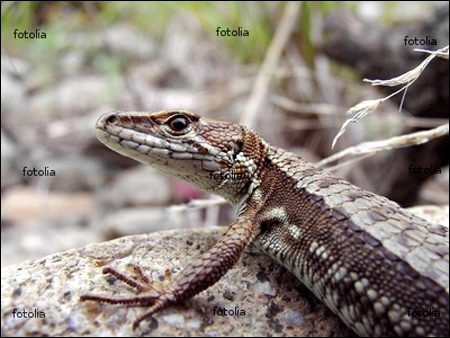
274	301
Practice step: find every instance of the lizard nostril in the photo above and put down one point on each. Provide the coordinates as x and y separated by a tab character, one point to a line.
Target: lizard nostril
112	119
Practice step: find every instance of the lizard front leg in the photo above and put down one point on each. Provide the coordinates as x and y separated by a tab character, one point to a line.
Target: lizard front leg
204	271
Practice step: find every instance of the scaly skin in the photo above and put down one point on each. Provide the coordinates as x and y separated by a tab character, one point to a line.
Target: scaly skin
370	261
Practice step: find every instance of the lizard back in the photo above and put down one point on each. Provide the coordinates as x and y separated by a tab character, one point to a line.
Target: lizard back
381	269
372	262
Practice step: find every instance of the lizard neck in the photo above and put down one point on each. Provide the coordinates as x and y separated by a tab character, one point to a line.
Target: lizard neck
249	162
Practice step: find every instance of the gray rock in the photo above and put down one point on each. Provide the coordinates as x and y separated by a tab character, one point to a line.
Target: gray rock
126	42
433	213
14	66
13	97
435	190
130	221
139	186
53	285
9	148
73	96
24	203
43	222
73	172
9	152
274	301
31	239
122	41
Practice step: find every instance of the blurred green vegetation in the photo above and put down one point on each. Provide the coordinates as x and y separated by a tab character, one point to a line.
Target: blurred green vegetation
153	18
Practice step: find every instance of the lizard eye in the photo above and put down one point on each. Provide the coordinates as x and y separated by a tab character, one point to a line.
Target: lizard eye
112	119
178	123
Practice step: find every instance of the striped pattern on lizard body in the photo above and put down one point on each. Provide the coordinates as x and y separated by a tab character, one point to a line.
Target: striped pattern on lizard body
367	259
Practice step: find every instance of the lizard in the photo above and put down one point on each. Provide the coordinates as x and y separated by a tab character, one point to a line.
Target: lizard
370	261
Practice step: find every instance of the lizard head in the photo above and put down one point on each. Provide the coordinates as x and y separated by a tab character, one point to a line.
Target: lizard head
218	157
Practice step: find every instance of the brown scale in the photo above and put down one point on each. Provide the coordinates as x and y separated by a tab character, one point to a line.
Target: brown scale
364	262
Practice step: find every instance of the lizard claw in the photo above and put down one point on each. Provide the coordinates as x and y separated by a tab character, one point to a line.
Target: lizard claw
151	297
202	272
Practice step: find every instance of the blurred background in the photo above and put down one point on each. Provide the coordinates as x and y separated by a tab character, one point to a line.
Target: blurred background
124	55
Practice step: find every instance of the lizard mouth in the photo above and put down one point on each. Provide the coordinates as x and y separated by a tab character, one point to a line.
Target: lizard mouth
112	131
120	133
